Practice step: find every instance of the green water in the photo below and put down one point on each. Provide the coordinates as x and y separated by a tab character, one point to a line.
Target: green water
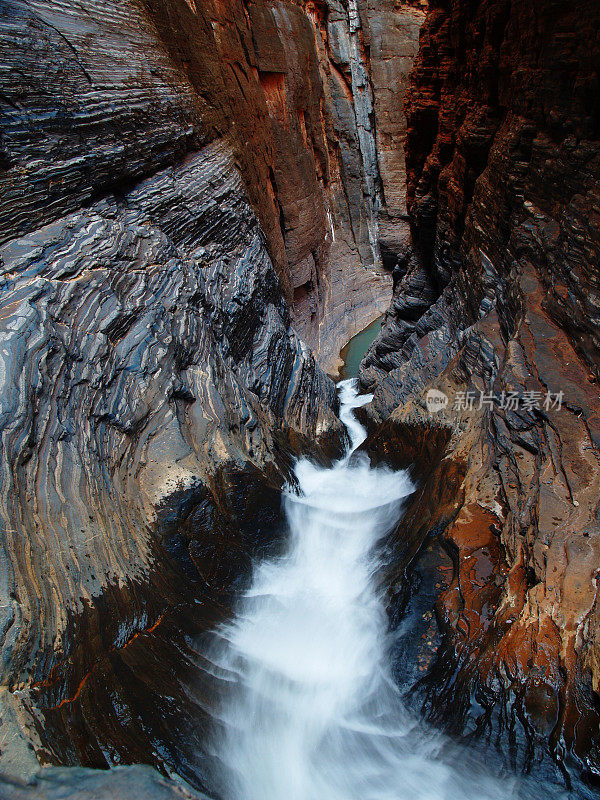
353	353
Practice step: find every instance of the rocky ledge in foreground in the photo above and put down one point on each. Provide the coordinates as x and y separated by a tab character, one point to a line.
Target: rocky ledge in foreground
76	783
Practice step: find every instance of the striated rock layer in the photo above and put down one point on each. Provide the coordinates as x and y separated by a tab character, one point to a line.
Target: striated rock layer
143	346
186	189
365	54
296	129
152	389
146	352
310	109
498	294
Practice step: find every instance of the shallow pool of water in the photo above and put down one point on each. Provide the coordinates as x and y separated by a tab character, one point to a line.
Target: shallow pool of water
353	353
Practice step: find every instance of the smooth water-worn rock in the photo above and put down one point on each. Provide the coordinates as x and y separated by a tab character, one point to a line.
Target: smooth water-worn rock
149	370
146	348
134	783
497	295
102	97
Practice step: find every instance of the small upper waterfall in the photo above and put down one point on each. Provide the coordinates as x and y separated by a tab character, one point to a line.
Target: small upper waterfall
310	710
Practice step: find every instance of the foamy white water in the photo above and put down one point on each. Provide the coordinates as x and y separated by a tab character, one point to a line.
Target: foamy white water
312	712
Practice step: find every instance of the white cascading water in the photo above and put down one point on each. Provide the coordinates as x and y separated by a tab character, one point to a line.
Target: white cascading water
312	712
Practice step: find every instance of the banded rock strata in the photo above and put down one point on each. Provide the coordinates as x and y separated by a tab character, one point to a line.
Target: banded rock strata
296	133
182	185
134	783
291	86
497	294
146	347
149	369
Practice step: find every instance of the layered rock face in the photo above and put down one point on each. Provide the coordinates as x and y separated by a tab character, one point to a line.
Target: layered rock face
299	134
184	188
144	347
325	96
150	376
365	51
497	295
314	121
134	783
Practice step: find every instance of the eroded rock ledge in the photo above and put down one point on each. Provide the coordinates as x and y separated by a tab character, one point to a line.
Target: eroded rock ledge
498	294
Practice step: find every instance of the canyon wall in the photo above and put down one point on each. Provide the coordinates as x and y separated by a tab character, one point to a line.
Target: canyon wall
496	305
197	202
149	369
309	97
293	95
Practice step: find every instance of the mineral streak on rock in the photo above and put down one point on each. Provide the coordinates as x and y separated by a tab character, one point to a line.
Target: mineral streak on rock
498	294
390	35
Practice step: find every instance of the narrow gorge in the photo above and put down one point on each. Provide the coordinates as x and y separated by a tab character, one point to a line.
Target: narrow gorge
299	399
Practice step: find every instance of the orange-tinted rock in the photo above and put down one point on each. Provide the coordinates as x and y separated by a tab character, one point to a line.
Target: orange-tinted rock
498	294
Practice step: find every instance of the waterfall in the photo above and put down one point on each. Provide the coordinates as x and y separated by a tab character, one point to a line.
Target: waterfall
309	709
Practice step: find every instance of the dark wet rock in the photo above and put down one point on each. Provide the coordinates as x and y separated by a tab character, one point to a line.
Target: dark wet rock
92	102
498	296
150	367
